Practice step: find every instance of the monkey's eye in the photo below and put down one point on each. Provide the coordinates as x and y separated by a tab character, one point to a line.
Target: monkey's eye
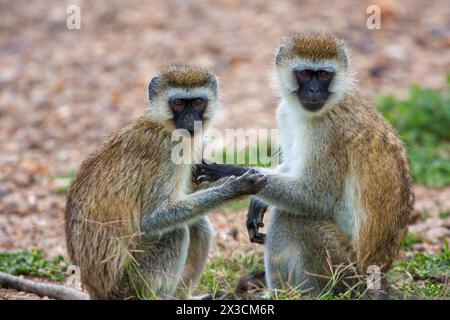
324	75
198	102
179	102
178	105
304	75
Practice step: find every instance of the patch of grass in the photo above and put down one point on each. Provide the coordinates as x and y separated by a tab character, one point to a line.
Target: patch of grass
426	289
34	264
427	265
423	274
409	240
444	214
423	122
223	273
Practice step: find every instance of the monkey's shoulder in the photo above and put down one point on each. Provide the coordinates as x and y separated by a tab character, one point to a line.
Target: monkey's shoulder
362	127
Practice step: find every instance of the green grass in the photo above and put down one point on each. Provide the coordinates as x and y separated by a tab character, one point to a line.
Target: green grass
423	274
409	240
444	214
420	275
33	263
222	273
427	265
423	121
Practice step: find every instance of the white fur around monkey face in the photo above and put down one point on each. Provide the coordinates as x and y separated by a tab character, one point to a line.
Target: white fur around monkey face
287	84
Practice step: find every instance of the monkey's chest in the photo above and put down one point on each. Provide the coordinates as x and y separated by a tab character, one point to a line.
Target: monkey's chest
296	150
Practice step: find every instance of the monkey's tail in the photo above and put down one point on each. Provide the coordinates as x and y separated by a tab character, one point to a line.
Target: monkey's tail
54	291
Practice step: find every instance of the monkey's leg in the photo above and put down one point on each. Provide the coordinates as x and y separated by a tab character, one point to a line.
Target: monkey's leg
155	270
328	256
200	242
305	253
282	256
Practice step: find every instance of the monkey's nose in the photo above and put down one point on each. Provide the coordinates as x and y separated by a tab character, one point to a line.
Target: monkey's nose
189	118
313	89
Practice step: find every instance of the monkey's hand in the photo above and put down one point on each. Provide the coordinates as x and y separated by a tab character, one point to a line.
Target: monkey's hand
213	172
255	218
251	182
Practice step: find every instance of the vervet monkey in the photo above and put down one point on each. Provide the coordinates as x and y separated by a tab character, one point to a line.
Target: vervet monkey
132	225
343	192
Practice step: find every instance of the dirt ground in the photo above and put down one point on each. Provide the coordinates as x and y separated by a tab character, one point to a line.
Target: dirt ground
63	91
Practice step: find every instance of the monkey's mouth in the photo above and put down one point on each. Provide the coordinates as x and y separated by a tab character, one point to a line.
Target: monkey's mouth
190	126
312	105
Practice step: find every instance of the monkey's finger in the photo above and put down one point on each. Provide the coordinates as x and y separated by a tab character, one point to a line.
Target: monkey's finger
252	232
260	181
260	238
203	178
260	241
246	174
254	176
230	179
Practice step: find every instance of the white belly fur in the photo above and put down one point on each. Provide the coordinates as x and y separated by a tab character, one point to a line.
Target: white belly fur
347	215
294	140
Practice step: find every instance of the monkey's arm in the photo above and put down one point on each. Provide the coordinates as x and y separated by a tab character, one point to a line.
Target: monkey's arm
197	203
184	211
314	197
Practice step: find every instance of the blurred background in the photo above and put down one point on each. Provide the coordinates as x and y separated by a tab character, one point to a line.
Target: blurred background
63	91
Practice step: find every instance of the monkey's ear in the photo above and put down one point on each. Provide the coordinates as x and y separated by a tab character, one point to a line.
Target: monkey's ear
153	87
345	55
212	82
278	55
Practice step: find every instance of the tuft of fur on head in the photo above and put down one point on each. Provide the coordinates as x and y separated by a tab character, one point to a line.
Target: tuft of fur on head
315	51
181	81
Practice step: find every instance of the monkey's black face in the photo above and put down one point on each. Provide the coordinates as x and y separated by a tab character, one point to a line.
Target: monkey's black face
187	111
313	87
